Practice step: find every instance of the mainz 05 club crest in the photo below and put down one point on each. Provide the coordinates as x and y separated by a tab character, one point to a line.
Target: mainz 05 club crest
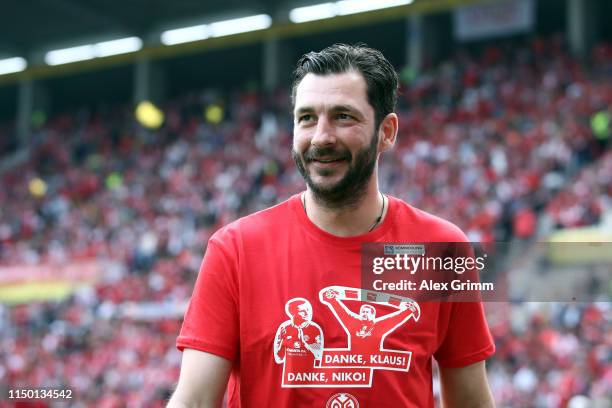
342	400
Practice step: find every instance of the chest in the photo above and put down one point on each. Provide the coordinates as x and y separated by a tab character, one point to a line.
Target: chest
285	307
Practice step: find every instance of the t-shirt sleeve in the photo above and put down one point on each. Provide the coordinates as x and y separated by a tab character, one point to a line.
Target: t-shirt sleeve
211	321
467	339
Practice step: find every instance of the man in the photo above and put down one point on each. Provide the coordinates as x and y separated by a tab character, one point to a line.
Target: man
366	333
343	102
298	338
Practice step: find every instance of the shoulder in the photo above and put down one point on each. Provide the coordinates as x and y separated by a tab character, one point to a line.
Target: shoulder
429	227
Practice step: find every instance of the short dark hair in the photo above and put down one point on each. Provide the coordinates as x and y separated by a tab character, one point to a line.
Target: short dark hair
380	76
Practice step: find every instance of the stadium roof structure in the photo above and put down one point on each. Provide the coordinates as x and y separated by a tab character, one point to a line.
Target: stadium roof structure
31	29
29	26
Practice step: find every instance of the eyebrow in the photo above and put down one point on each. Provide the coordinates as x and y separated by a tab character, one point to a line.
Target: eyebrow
300	111
335	108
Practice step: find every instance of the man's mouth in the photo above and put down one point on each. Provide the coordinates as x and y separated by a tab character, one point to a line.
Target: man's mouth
328	160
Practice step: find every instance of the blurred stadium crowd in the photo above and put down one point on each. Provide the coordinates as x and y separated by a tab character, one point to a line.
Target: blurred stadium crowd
503	143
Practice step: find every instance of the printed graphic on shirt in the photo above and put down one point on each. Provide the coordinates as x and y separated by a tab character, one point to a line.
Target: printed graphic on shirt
298	344
299	337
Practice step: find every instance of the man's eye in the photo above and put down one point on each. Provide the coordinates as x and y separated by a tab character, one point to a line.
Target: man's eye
305	118
344	116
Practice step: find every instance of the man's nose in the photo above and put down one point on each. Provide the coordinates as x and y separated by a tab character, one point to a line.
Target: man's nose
324	133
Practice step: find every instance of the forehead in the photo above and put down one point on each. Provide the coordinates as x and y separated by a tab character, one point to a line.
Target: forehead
316	91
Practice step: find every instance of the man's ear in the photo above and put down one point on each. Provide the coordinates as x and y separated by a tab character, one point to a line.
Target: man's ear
387	132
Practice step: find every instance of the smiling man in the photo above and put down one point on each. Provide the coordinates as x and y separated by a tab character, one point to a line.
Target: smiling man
306	251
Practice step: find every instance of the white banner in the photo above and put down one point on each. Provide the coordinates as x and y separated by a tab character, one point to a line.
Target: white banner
493	19
78	271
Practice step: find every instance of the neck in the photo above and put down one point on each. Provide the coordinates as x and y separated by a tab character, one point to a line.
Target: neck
365	215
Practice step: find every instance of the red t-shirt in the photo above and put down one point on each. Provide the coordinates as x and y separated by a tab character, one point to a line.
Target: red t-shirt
276	295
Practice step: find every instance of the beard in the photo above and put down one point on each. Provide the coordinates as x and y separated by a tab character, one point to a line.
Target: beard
350	189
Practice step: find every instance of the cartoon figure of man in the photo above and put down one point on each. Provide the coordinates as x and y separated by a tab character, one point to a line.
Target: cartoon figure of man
367	332
299	338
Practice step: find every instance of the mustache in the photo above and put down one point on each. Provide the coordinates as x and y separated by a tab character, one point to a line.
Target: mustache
327	153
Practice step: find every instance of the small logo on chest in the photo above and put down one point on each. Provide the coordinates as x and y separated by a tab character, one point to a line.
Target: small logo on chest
342	400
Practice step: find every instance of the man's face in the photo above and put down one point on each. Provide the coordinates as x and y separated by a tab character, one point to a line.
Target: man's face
335	144
304	312
367	313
